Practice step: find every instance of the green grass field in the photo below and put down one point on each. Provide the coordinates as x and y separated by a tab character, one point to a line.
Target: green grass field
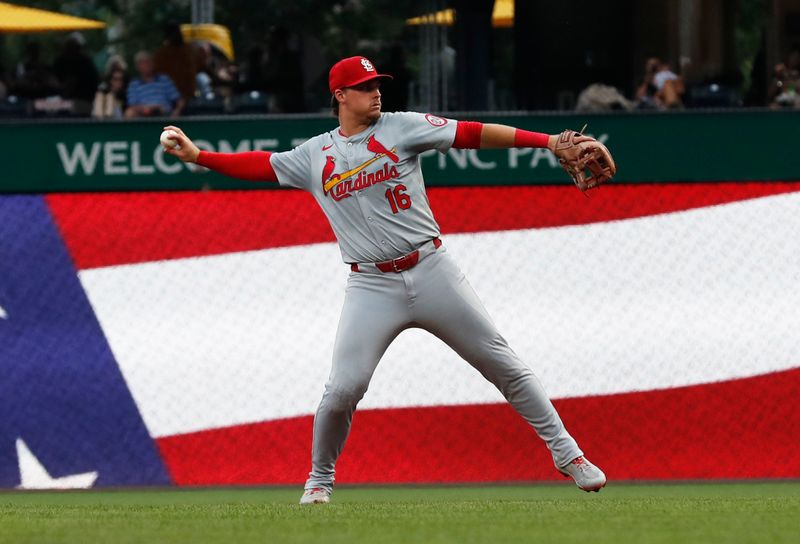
668	513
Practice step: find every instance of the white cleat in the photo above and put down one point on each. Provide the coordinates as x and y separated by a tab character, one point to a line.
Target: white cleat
316	495
587	476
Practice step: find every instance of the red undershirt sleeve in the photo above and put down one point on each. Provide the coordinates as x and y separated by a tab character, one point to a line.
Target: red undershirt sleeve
250	165
468	135
524	138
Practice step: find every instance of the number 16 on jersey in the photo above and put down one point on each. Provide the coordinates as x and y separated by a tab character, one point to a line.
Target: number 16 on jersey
398	200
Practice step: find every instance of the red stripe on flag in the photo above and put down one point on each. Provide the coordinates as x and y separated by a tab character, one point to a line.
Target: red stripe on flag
121	228
697	432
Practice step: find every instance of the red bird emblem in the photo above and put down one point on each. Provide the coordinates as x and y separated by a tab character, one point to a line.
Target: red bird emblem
327	170
378	148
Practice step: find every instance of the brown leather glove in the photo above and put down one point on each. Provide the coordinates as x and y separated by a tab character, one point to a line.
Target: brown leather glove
578	153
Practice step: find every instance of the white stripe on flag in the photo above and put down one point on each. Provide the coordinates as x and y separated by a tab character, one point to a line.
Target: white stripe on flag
664	301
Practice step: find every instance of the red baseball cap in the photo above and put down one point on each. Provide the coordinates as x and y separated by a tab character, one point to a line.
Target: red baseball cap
351	71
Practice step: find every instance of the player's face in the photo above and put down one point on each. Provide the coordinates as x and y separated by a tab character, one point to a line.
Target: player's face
365	99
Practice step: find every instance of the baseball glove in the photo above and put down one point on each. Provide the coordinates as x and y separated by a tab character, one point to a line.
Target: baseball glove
578	153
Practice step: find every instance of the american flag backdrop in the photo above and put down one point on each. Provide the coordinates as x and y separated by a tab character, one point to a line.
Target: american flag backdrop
185	337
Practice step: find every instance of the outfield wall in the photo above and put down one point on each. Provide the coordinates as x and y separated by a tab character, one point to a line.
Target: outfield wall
170	337
654	147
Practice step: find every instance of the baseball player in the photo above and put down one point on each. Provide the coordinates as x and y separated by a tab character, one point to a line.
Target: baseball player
366	176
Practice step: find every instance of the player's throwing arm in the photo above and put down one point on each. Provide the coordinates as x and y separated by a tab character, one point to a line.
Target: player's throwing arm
249	165
576	152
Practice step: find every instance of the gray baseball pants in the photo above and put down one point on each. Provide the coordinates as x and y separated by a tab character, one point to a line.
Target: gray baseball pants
435	296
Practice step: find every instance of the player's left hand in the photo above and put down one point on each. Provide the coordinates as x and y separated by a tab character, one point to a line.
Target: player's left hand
578	153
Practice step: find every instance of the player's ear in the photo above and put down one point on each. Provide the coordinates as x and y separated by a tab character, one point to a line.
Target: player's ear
339	95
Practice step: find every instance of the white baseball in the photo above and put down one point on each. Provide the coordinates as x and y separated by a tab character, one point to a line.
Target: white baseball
169	138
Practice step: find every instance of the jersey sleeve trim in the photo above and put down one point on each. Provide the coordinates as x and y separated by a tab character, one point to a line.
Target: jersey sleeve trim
468	135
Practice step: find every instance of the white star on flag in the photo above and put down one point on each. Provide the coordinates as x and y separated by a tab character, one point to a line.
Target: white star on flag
3	314
32	475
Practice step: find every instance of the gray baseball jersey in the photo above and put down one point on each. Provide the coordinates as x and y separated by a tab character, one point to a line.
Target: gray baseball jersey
371	189
370	185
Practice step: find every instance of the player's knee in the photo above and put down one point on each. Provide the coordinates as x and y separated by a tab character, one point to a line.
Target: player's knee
340	398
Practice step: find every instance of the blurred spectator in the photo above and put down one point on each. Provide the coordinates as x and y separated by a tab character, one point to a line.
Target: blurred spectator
226	78
202	80
599	97
215	74
284	73
660	88
396	96
109	101
176	59
785	85
76	73
646	92
34	79
115	62
152	93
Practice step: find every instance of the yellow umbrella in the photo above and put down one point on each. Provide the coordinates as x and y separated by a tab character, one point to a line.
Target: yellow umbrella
21	19
502	16
217	35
